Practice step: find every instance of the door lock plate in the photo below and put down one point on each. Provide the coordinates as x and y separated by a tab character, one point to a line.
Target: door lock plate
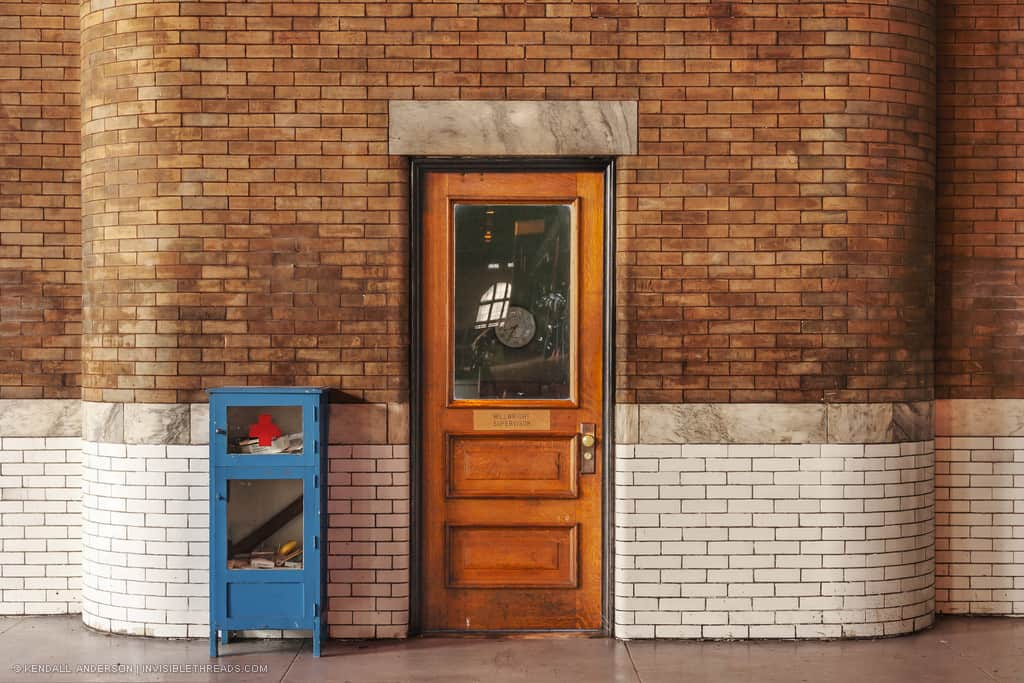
588	448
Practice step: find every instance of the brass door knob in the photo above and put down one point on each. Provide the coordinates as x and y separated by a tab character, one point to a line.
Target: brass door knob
588	440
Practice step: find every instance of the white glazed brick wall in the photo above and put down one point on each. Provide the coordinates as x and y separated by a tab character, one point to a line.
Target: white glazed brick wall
368	541
40	522
146	516
979	513
145	539
774	541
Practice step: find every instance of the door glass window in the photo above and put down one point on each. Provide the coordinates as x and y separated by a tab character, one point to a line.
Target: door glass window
513	301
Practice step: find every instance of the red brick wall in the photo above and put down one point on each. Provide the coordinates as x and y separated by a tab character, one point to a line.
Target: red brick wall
776	233
980	252
40	240
243	223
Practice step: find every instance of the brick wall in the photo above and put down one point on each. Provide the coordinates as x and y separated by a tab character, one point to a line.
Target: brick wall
40	543
774	541
775	233
980	252
40	240
979	261
243	222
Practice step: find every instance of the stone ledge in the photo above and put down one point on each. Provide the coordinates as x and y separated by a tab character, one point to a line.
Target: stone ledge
516	128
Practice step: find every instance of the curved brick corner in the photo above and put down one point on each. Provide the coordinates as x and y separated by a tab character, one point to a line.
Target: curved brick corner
145	521
242	222
792	259
145	538
774	540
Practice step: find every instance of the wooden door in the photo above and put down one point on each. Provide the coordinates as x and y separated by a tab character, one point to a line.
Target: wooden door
512	379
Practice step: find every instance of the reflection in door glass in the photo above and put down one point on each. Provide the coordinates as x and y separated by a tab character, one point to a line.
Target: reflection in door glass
513	275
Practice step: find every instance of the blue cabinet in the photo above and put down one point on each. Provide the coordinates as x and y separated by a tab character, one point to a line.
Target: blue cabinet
267	510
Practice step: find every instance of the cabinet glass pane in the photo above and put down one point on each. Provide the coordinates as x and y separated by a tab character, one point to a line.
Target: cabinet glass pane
264	524
513	301
263	430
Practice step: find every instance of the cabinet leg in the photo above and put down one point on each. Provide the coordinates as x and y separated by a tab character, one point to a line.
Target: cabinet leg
224	637
316	640
213	641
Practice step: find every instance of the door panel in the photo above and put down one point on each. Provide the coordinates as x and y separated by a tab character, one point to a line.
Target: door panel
512	556
479	467
512	333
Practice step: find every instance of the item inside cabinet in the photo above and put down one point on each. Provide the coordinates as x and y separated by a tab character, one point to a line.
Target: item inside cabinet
262	559
286	443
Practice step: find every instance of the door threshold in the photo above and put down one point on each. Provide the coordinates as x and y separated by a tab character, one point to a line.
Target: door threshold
520	634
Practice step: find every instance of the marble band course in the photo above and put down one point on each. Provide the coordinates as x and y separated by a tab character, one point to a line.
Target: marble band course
181	423
188	423
40	417
997	417
761	423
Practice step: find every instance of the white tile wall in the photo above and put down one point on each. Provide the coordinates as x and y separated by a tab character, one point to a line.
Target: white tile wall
40	489
979	514
774	541
368	541
145	539
814	540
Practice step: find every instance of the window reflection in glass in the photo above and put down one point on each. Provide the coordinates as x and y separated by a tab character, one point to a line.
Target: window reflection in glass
512	322
493	305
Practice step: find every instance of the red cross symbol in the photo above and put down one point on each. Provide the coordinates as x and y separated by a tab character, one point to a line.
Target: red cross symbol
265	430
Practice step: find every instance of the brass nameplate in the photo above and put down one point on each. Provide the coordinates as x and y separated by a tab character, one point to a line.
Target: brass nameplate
511	420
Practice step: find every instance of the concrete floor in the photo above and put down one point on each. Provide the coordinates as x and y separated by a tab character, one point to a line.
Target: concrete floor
958	650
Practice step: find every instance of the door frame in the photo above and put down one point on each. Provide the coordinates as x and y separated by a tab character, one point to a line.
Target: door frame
418	168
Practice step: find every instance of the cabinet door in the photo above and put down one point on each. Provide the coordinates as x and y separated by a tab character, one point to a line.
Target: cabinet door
259	513
265	431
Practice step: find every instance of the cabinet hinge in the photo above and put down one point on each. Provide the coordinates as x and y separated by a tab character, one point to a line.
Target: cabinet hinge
316	542
316	609
316	445
316	481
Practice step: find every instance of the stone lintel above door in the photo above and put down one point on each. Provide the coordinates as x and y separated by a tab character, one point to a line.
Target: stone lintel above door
490	128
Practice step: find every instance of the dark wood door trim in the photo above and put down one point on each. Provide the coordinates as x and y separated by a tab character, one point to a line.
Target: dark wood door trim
418	168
